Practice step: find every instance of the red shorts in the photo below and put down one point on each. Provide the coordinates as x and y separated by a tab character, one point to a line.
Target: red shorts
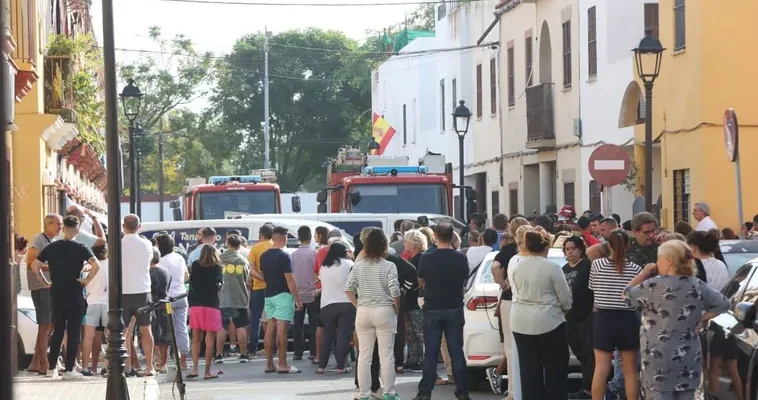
205	319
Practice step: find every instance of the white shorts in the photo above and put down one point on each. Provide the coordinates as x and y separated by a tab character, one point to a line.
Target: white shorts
97	315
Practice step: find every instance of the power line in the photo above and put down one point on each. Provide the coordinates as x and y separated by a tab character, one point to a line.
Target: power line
374	4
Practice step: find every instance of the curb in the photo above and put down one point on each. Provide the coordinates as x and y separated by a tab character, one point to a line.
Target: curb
151	390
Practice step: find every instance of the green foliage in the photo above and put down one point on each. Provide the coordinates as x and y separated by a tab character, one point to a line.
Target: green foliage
80	79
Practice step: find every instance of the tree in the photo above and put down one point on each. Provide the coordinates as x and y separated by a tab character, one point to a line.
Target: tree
170	79
316	102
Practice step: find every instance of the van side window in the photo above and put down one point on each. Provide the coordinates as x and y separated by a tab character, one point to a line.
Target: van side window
353	227
743	286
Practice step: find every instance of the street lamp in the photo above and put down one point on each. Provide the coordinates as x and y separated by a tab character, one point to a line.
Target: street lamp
138	133
131	99
461	119
647	57
117	388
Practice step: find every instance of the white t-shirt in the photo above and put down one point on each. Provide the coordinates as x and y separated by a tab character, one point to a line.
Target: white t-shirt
475	256
512	264
176	266
715	272
333	281
706	224
136	254
97	290
82	237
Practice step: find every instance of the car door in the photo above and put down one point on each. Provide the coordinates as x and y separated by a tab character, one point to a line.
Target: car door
743	342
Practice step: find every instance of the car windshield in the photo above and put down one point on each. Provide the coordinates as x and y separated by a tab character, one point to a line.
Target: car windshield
457	225
401	198
735	260
486	275
222	205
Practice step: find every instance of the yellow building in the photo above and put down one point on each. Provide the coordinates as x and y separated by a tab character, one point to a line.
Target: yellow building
706	69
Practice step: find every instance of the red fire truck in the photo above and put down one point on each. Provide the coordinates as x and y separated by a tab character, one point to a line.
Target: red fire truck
222	197
362	183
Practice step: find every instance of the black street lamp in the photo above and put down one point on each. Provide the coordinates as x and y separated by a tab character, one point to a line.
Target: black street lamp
461	119
138	133
131	99
117	388
647	57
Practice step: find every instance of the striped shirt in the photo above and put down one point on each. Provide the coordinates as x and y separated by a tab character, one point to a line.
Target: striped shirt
608	286
374	282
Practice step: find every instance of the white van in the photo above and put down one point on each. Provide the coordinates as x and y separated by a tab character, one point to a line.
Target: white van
185	232
353	223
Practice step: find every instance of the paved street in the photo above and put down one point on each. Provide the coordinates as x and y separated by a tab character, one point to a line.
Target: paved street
34	387
240	381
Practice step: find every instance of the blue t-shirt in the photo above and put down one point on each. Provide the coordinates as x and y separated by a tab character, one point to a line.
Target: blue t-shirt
274	264
496	246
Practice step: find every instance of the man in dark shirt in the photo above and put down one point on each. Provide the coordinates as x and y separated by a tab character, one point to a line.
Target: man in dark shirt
442	274
281	300
65	259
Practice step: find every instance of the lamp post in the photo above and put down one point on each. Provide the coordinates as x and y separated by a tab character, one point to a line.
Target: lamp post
461	119
139	133
117	388
647	58
131	99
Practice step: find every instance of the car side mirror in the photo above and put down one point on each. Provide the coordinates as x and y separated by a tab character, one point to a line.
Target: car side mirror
177	214
321	208
175	204
296	204
355	198
470	194
745	313
321	196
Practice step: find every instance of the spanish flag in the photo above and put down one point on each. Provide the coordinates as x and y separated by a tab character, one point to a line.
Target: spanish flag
382	132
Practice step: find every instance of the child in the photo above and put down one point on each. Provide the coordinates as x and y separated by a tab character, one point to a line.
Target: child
97	313
159	291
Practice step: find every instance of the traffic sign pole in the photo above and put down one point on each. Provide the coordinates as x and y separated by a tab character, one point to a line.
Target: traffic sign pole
732	140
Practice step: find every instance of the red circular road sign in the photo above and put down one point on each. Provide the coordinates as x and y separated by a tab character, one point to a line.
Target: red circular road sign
731	134
609	164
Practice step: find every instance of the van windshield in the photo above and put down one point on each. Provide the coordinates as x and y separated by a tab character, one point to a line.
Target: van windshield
222	205
401	198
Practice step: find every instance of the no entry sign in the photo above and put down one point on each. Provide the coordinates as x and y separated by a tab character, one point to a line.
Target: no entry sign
609	165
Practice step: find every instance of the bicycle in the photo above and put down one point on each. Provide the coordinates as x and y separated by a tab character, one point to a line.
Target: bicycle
177	358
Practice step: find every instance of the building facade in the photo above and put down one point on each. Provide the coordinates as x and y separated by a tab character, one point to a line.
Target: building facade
704	71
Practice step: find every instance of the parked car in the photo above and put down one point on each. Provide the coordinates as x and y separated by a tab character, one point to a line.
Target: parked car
27	330
738	326
481	335
738	252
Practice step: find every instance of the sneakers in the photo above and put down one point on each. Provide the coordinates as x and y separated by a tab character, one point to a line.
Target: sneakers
422	397
377	395
462	396
218	359
244	358
52	373
86	372
73	375
388	396
414	367
495	381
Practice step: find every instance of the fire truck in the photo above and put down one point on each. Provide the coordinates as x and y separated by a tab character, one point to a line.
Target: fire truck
222	197
360	183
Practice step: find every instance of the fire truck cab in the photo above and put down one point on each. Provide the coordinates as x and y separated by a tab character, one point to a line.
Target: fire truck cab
362	183
221	197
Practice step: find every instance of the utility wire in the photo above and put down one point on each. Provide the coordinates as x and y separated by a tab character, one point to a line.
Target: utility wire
269	3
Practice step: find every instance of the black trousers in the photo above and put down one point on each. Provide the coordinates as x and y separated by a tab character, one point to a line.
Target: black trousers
68	312
580	342
400	337
339	323
313	310
375	384
543	363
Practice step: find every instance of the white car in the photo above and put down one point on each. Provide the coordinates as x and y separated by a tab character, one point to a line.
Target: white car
27	330
481	335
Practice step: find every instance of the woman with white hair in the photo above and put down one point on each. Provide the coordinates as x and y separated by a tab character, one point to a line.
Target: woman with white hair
415	245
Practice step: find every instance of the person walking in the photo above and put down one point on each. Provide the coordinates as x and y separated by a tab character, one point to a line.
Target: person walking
234	296
206	281
257	285
65	259
620	328
538	321
337	314
675	305
136	253
373	288
41	296
281	301
159	280
442	275
97	313
579	318
305	277
178	273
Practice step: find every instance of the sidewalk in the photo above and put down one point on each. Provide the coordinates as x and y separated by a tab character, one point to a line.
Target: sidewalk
28	387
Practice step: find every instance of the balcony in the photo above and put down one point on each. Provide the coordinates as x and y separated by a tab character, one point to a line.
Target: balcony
59	87
540	116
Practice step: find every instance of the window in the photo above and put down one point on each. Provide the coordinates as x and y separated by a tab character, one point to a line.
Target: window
513	200
592	41
405	126
682	195
680	33
595	193
495	202
479	90
528	60
414	115
568	194
454	90
651	17
567	54
443	115
511	79
493	87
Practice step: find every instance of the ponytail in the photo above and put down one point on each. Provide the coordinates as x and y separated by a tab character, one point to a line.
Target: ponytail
619	244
